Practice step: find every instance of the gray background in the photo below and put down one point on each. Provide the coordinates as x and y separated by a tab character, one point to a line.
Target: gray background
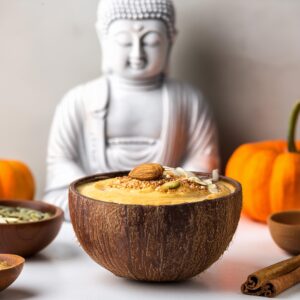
244	55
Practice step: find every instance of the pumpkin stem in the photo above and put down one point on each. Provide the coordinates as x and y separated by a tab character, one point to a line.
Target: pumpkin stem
292	128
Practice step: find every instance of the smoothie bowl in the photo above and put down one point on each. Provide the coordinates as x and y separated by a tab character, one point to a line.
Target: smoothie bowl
155	223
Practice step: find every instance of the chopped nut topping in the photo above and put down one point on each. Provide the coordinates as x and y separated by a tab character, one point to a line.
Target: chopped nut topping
164	179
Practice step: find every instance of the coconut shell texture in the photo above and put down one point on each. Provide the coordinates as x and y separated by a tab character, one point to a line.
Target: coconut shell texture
154	243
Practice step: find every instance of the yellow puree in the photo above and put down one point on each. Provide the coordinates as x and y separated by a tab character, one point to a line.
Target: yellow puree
102	190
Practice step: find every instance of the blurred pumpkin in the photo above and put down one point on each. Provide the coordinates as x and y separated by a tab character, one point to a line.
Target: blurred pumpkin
16	180
269	172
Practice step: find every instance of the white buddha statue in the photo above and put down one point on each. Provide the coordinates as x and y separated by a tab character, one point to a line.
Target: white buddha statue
134	113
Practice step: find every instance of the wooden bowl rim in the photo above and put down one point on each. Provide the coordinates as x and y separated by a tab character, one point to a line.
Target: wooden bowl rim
73	188
287	212
58	211
20	259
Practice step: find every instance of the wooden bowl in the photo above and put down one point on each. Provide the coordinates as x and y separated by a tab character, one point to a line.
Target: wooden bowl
285	230
29	238
154	243
9	275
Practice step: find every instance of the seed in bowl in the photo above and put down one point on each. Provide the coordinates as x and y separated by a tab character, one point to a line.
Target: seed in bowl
18	215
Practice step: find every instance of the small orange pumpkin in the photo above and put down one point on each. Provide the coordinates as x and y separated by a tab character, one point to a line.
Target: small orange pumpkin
16	181
269	173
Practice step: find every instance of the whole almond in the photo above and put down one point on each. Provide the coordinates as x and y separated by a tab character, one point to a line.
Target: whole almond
147	172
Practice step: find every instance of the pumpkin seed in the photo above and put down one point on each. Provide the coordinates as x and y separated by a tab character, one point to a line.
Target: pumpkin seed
170	185
17	215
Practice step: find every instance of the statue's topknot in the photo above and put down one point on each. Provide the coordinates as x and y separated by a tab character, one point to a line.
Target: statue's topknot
112	10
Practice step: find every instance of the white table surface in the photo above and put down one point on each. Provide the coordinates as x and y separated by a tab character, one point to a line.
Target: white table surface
64	271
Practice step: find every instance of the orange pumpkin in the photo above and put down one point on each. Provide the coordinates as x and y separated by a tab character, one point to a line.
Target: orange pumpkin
269	172
16	181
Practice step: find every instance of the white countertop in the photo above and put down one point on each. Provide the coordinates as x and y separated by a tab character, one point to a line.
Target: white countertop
64	271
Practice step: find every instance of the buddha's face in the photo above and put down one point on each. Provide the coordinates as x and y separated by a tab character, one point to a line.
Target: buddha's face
136	49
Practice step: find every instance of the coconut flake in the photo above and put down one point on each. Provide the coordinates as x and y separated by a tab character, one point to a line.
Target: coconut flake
190	176
198	180
171	171
195	179
167	168
213	189
207	181
168	172
181	172
215	175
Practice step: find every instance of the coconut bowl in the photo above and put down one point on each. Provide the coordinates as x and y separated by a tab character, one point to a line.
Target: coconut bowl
27	239
10	274
154	243
285	230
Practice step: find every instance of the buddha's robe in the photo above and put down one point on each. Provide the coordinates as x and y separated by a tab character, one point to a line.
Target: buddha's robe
79	146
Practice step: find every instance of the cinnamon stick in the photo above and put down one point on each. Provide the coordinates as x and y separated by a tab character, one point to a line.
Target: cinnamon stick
273	280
